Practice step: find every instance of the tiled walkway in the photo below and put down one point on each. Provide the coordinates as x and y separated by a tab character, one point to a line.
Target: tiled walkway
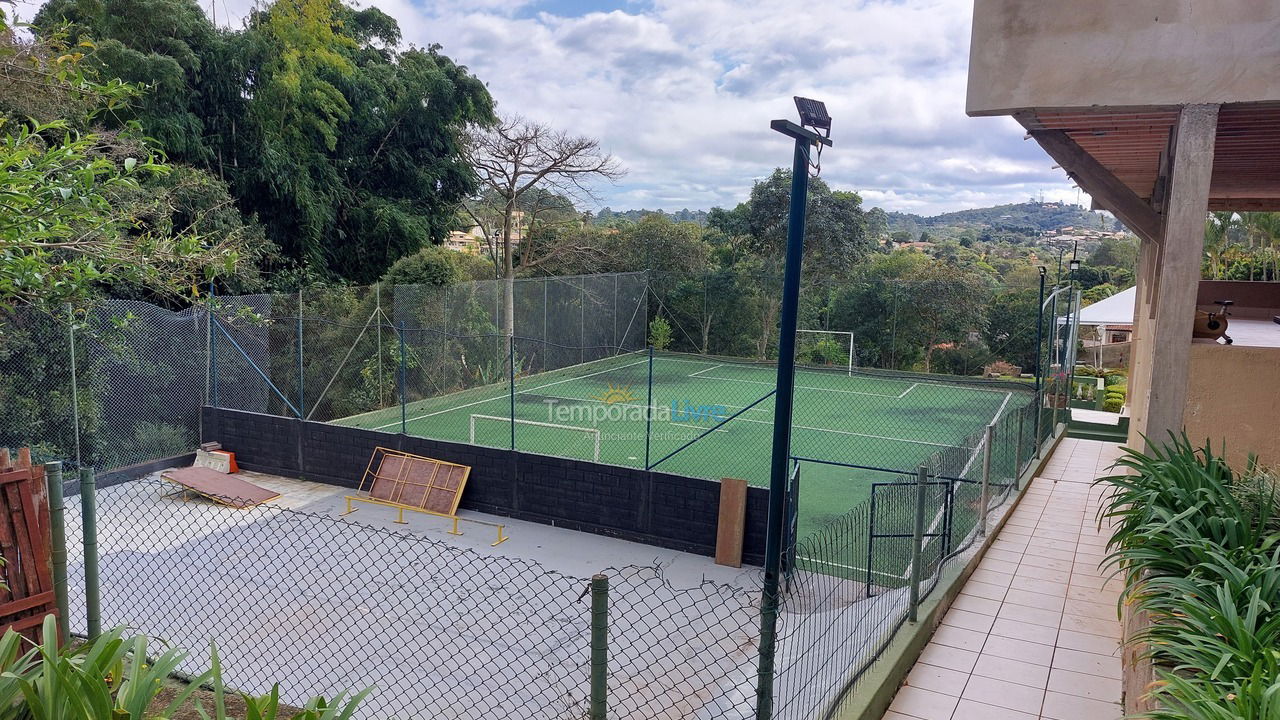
1034	633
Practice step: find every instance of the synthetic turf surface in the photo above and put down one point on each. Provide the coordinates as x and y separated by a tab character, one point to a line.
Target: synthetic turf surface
865	419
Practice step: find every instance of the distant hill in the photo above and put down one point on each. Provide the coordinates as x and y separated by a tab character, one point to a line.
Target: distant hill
1026	219
607	216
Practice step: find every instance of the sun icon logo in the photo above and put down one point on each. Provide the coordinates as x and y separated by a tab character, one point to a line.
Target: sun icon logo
616	394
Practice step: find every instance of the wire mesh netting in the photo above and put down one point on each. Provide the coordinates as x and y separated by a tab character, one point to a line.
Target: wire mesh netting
323	605
848	588
576	380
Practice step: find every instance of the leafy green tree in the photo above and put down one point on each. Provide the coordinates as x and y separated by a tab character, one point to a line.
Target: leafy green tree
1115	252
1010	332
66	224
835	226
346	147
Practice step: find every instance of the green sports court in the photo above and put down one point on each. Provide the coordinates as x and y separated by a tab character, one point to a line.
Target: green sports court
712	418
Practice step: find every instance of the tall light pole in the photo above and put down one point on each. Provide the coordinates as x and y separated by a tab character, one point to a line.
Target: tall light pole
812	114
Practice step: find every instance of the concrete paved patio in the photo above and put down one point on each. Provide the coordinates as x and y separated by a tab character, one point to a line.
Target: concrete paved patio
1035	631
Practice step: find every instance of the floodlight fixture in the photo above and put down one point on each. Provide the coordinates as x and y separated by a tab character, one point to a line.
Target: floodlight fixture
1042	270
1075	264
813	113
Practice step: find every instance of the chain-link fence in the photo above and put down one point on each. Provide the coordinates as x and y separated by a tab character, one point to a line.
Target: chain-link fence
856	580
119	384
575	380
323	605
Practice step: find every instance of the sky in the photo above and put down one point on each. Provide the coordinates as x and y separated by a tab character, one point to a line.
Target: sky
682	92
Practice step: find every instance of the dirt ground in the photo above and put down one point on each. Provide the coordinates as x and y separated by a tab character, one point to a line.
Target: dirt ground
233	702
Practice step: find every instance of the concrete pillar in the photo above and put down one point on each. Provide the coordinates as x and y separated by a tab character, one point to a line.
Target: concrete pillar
1140	339
1168	278
1177	272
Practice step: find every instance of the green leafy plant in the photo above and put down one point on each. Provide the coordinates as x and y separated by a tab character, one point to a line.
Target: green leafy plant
113	677
1199	551
659	333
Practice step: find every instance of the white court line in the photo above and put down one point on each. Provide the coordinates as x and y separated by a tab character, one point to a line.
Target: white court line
714	428
942	382
994	418
855	434
811	387
529	390
696	374
854	568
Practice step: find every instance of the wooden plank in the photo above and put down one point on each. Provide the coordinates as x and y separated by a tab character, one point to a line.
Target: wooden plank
13	551
16	606
732	523
33	621
22	520
219	487
35	503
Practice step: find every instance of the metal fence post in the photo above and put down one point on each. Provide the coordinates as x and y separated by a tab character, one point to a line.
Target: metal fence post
302	394
89	531
213	352
75	391
1017	455
648	416
987	438
58	538
599	646
917	542
404	410
511	377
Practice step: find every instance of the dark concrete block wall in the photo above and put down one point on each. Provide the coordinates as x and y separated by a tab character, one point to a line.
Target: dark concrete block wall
669	511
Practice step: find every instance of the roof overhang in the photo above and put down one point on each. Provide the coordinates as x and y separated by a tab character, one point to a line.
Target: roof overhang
1132	144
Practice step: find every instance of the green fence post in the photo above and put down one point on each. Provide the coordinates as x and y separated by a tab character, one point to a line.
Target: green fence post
302	394
58	538
404	410
599	646
917	542
987	438
213	350
648	416
1017	455
89	530
511	377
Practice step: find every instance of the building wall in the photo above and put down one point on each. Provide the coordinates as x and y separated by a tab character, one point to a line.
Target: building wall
1233	396
654	508
1079	53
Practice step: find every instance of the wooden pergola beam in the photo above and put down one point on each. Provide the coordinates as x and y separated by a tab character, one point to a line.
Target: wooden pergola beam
1101	183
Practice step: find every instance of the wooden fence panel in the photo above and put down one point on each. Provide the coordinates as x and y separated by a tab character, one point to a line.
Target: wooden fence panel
26	546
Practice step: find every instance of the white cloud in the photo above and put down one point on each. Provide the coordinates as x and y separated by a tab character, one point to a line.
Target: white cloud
682	92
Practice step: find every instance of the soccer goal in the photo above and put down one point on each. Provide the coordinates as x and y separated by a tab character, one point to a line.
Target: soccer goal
825	347
534	436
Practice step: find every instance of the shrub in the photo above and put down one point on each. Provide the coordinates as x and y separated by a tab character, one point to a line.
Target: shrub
1115	377
111	676
1199	550
1113	404
659	333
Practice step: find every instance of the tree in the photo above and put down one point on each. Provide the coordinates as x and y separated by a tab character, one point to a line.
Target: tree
1116	252
344	146
1010	331
66	225
514	156
948	302
835	226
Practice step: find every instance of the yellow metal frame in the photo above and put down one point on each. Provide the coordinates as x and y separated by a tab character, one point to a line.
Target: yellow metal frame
371	476
400	508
